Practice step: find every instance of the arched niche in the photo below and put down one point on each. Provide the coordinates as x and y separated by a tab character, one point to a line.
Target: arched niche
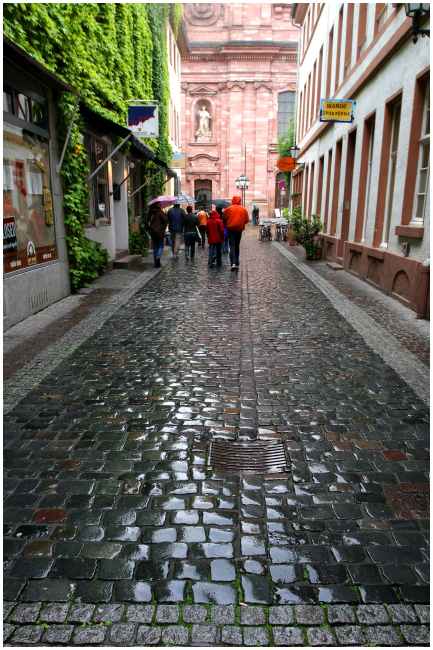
197	105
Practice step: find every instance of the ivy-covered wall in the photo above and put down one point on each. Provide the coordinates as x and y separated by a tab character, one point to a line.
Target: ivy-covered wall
110	52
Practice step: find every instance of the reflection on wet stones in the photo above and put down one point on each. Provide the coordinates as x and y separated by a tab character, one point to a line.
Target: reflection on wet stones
232	361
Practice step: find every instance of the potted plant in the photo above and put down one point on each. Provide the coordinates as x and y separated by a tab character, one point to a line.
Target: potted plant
305	232
289	237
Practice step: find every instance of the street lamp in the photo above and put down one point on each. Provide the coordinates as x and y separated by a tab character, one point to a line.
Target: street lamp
416	10
242	183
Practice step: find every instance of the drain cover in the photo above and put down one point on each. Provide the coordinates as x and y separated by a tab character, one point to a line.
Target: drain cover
417	500
259	457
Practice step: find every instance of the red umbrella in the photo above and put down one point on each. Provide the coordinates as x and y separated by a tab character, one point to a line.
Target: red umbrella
165	201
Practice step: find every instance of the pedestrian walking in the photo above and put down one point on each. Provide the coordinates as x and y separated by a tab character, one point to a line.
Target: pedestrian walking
236	218
256	212
225	244
190	223
215	237
175	217
156	224
203	217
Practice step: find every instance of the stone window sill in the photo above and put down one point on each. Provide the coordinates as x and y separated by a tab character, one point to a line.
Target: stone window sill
417	232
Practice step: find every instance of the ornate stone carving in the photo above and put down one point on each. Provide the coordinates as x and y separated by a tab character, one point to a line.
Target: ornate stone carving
233	84
184	85
222	85
202	90
204	119
267	84
202	13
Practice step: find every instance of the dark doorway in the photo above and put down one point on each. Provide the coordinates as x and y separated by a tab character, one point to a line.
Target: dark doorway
203	195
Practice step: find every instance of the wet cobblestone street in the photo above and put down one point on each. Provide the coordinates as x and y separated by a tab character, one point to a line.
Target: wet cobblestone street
113	514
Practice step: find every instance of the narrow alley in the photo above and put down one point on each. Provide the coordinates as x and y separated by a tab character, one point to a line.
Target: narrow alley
118	508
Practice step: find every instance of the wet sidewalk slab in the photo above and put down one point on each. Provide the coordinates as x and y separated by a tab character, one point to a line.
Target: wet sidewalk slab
118	530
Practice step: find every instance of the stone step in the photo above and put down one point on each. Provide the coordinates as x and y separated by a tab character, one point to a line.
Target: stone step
121	252
334	266
340	261
127	262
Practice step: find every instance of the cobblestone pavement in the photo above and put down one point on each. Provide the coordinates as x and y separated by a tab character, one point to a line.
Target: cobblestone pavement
118	531
412	333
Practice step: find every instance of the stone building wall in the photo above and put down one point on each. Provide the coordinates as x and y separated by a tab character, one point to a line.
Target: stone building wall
242	57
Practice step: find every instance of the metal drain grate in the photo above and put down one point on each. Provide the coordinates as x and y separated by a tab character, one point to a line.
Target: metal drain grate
417	500
259	457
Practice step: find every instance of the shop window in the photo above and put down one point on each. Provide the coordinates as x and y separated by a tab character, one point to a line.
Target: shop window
28	218
99	208
7	100
423	175
134	173
23	106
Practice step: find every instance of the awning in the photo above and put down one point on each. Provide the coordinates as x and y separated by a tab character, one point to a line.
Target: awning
138	148
19	57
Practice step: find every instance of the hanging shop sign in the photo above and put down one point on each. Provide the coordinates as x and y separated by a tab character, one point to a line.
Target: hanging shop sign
143	121
286	164
177	161
336	110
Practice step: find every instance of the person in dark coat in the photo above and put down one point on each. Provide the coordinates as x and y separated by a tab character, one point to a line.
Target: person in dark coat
175	216
215	237
190	224
156	224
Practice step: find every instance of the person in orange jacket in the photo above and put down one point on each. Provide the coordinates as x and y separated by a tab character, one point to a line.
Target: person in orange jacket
202	217
236	218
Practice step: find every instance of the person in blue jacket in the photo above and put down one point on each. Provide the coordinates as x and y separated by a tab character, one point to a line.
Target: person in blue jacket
175	220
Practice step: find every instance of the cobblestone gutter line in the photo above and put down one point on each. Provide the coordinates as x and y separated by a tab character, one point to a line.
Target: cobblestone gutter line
385	345
216	625
30	375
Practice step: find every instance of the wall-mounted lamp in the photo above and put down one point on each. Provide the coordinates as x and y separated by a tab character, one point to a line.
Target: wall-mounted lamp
115	159
416	10
294	152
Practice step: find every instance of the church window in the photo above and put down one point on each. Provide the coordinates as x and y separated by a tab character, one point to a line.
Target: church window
286	110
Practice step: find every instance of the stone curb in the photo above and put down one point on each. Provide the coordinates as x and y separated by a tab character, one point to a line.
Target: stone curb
19	384
199	625
392	352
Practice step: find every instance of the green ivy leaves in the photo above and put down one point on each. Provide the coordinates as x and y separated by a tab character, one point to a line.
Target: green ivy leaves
110	52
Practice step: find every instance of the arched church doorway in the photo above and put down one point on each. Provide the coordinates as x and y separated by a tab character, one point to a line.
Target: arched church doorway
203	195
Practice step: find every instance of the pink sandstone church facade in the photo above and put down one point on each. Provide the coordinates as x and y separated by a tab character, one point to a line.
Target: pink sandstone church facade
238	87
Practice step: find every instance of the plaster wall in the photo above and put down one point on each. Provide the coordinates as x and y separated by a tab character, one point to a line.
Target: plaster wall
382	264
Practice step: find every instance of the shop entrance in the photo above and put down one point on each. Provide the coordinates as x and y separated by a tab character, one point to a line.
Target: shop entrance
203	195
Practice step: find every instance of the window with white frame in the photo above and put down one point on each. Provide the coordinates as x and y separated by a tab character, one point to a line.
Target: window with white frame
382	17
99	206
392	171
423	176
368	185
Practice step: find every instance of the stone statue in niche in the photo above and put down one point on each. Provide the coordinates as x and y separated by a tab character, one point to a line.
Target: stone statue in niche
203	124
